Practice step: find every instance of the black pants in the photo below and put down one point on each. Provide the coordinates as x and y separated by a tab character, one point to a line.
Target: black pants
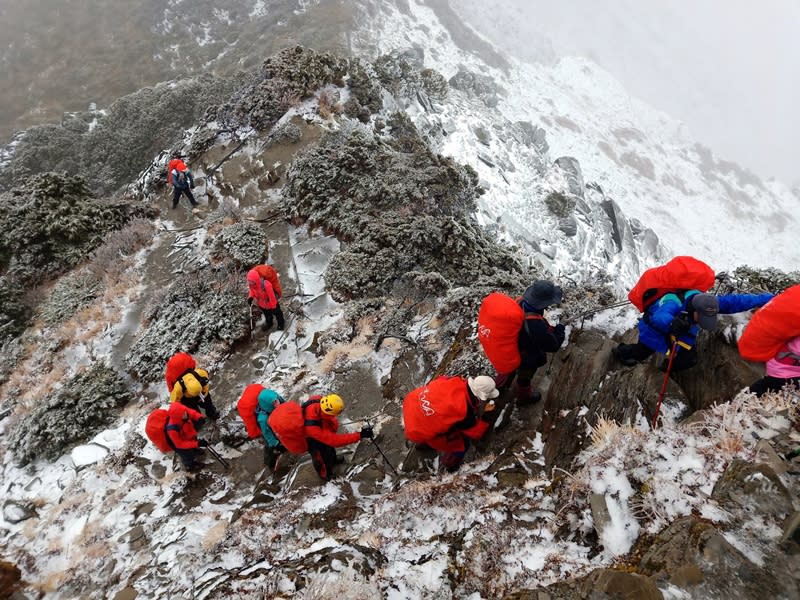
639	352
323	457
772	384
198	402
176	196
277	313
188	456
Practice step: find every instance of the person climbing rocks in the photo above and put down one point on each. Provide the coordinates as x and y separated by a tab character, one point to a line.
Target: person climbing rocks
447	413
180	178
269	273
268	401
191	389
262	290
516	337
182	426
674	320
320	428
773	336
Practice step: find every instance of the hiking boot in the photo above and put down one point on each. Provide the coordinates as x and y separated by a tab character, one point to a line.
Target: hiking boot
195	467
532	399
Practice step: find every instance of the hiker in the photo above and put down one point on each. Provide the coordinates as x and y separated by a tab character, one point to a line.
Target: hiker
320	428
675	319
182	425
180	178
516	337
446	413
191	389
263	291
773	336
268	401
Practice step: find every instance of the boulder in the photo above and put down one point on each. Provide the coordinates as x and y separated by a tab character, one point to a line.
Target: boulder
573	174
752	488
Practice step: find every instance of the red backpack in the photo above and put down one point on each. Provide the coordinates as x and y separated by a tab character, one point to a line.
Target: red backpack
247	405
681	273
772	326
288	424
434	408
500	319
155	428
178	364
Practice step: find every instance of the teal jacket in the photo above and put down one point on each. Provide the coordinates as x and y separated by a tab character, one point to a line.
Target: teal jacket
267	401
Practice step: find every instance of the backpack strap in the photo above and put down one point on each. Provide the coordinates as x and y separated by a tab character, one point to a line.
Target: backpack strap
787	357
172	428
310	422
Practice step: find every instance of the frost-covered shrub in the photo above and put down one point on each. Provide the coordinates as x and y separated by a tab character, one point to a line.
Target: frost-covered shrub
245	243
402	73
203	313
772	280
71	415
70	294
52	222
283	80
13	311
133	130
288	133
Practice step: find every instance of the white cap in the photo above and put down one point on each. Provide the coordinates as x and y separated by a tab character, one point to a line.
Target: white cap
483	387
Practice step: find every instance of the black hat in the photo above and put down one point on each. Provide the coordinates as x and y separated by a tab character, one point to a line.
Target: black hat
707	307
542	294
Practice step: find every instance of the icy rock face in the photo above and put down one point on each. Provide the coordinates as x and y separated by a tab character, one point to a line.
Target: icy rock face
475	84
202	312
71	415
124	138
401	208
245	243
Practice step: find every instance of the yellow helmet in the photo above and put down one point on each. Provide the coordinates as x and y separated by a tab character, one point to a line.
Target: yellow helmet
332	404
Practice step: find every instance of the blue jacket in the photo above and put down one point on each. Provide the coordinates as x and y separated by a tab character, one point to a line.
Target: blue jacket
654	325
267	401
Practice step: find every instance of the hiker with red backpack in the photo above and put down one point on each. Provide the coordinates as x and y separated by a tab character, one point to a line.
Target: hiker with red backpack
773	336
313	427
189	384
675	308
447	413
180	178
265	289
182	425
516	337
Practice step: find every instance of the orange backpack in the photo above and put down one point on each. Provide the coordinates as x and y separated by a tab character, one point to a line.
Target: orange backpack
270	274
155	428
247	405
500	319
772	326
434	408
288	424
681	273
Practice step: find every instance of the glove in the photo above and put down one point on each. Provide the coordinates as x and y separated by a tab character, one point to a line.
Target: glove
200	422
202	443
366	433
679	325
489	406
250	301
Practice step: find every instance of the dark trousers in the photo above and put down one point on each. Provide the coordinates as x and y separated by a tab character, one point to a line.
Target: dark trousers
198	403
772	384
268	315
323	457
176	196
188	456
639	352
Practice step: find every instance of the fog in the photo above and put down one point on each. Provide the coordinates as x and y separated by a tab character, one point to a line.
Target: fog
730	69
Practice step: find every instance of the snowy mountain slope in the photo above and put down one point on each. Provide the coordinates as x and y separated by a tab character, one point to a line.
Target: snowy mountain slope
641	158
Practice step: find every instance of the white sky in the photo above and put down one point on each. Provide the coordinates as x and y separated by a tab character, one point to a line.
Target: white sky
729	68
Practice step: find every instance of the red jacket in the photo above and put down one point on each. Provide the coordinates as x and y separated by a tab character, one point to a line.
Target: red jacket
323	428
261	290
454	440
180	426
176	164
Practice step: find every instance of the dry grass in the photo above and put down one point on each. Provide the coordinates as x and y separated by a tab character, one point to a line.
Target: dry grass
327	107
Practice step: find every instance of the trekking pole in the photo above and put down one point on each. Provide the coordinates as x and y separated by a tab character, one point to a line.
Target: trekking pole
219	458
664	385
391	466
